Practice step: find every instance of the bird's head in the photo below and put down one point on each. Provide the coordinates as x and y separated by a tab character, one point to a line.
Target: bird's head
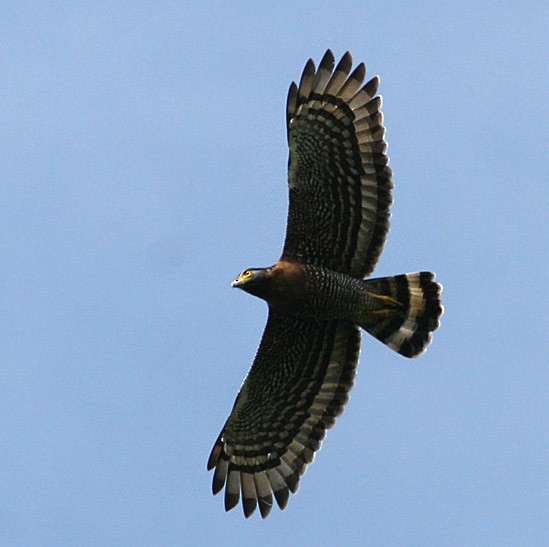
256	281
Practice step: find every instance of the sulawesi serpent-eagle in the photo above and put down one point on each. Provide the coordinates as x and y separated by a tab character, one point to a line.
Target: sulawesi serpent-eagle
340	193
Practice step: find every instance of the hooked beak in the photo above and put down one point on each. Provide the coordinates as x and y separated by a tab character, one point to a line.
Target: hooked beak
236	283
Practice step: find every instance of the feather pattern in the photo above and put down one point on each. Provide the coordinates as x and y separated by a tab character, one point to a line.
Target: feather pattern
339	179
281	414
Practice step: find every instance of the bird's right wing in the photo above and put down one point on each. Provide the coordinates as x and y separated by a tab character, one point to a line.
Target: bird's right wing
298	384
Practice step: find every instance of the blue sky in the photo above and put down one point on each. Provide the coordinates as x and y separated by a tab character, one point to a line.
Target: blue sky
143	165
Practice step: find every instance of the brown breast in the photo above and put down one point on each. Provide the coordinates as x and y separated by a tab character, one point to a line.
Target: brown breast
288	287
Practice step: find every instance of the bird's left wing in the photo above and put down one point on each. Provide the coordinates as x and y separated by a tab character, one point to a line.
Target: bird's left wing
338	174
298	384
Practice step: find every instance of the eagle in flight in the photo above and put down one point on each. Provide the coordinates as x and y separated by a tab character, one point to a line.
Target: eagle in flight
340	193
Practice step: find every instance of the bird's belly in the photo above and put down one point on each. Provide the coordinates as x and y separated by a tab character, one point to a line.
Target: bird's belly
325	295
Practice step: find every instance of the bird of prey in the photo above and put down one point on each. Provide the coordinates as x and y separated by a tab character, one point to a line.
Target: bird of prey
338	218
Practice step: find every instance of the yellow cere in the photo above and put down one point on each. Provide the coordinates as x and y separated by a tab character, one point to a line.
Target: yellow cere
244	275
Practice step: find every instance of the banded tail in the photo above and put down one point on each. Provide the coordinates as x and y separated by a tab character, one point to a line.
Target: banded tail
406	310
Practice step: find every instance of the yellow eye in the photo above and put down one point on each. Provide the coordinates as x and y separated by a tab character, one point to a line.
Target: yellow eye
242	278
